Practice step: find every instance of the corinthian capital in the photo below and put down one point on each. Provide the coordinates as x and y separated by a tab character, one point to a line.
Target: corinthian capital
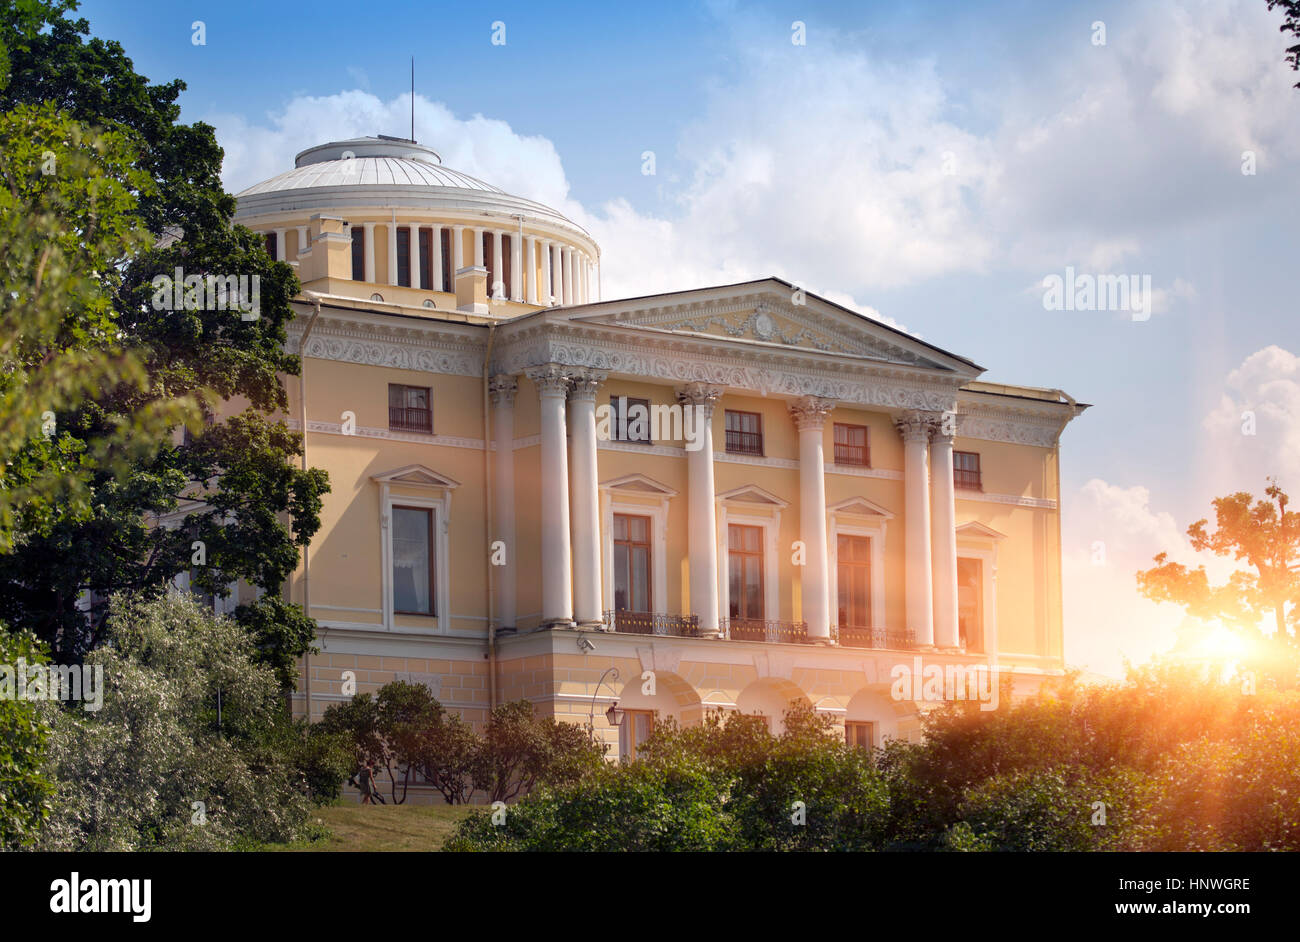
916	426
810	412
502	389
550	380
583	384
700	394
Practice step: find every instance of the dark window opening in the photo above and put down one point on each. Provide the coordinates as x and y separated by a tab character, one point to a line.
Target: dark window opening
744	433
409	408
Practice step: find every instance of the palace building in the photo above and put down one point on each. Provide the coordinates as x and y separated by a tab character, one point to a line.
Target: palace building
820	500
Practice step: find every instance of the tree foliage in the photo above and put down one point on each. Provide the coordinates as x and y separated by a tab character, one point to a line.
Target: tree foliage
190	748
135	196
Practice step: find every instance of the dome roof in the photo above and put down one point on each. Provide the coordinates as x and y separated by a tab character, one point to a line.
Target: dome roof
390	173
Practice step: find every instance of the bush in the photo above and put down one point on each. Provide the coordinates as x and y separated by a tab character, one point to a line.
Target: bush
188	750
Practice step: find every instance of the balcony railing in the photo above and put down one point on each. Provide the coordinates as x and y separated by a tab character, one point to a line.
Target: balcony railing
410	419
653	623
771	632
744	443
855	637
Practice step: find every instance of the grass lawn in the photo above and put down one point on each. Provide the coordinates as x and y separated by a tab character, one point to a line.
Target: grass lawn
382	827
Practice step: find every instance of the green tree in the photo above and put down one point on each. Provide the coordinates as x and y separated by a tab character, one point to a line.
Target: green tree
520	750
1265	536
188	747
24	788
1290	24
230	486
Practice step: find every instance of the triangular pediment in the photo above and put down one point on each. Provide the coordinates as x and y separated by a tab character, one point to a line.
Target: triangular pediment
860	506
415	475
639	484
753	494
978	531
772	313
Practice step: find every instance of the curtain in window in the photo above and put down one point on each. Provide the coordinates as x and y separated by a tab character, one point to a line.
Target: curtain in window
411	588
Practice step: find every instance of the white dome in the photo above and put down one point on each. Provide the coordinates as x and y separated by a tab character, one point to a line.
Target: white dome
384	173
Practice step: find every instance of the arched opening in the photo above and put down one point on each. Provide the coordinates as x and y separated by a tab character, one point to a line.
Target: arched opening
647	700
770	697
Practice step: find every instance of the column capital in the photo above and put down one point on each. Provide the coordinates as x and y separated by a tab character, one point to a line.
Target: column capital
551	379
502	389
810	412
916	426
944	427
700	394
583	384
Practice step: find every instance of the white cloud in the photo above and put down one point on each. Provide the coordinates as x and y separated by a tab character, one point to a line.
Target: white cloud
1254	431
1109	534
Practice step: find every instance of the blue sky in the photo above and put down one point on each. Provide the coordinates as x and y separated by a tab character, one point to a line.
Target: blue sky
820	163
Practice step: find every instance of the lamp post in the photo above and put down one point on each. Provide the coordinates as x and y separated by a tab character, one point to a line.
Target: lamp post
614	714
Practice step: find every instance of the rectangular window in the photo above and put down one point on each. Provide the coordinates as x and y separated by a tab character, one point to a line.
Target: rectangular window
632	563
970	603
272	245
426	259
635	730
409	408
851	445
859	735
853	573
404	256
632	425
966	470
744	432
358	253
489	262
745	572
413	561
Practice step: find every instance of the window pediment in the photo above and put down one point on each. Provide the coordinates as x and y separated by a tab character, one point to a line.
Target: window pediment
753	494
416	475
638	484
861	507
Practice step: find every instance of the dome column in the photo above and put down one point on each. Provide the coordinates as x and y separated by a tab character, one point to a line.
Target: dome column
369	228
530	268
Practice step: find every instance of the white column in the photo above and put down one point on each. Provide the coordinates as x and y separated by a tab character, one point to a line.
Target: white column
392	253
809	414
547	263
557	586
498	288
281	247
915	429
503	390
414	251
457	252
435	260
516	267
582	279
370	251
478	249
584	498
530	268
944	533
302	239
567	274
698	401
557	274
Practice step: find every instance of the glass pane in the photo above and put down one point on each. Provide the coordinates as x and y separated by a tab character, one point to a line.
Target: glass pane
620	527
638	529
734	566
411	589
622	584
640	579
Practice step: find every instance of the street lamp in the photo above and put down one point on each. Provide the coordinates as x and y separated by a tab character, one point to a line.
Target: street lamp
614	714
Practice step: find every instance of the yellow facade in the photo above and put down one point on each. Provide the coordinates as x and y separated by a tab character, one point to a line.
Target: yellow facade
961	570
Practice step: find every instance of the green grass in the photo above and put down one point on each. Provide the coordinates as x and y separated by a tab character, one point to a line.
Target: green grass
352	827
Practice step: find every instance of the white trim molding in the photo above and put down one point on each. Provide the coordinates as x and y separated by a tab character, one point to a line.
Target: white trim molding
437	498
